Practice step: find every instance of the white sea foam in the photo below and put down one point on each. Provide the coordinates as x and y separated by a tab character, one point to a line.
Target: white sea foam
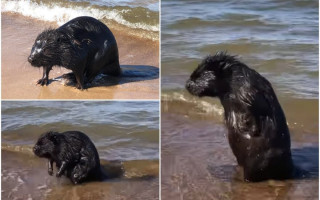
203	106
60	15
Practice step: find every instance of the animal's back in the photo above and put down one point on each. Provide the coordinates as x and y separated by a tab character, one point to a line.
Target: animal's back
86	28
82	138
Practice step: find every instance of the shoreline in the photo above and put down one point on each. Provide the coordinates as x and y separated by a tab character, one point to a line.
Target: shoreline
137	55
140	21
179	101
24	176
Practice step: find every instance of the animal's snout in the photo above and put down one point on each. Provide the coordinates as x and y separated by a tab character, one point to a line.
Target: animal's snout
188	84
30	58
36	148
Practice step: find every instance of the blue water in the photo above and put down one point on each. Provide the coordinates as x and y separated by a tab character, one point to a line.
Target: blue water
277	38
120	130
150	4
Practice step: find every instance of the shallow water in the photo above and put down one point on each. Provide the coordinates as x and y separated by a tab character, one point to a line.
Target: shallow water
197	163
125	132
279	39
120	130
25	177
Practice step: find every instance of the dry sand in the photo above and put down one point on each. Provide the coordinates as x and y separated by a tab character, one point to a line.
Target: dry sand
139	60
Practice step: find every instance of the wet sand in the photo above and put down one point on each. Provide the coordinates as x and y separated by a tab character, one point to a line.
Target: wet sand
197	163
139	60
25	176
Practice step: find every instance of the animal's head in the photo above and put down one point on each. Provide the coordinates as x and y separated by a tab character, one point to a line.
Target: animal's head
46	48
46	144
212	76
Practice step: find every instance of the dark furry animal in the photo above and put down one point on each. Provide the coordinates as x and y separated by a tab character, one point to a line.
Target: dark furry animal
257	129
84	45
73	152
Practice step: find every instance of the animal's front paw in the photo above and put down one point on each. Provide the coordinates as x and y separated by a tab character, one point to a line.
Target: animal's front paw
50	172
43	81
58	175
79	86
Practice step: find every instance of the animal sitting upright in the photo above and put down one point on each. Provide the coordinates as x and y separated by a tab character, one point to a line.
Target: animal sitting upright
257	130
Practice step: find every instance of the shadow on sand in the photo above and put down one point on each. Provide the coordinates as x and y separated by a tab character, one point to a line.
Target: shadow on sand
130	73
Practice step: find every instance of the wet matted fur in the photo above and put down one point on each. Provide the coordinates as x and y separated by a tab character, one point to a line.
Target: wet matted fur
257	130
84	45
73	152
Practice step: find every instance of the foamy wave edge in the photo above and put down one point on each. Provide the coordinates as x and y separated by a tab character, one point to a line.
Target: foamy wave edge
61	15
17	148
204	106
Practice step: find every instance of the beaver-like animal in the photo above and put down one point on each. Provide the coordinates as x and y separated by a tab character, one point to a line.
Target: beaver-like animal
74	154
257	130
84	45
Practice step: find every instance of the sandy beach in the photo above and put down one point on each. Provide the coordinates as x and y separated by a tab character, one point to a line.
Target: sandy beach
139	60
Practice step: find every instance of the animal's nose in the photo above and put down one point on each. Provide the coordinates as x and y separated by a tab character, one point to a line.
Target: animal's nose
30	58
35	148
188	84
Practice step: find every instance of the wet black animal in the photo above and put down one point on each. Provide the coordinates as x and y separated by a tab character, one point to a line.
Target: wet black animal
257	130
74	154
84	45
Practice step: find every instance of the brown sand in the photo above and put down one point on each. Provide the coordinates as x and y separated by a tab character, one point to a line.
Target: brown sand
25	176
19	77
